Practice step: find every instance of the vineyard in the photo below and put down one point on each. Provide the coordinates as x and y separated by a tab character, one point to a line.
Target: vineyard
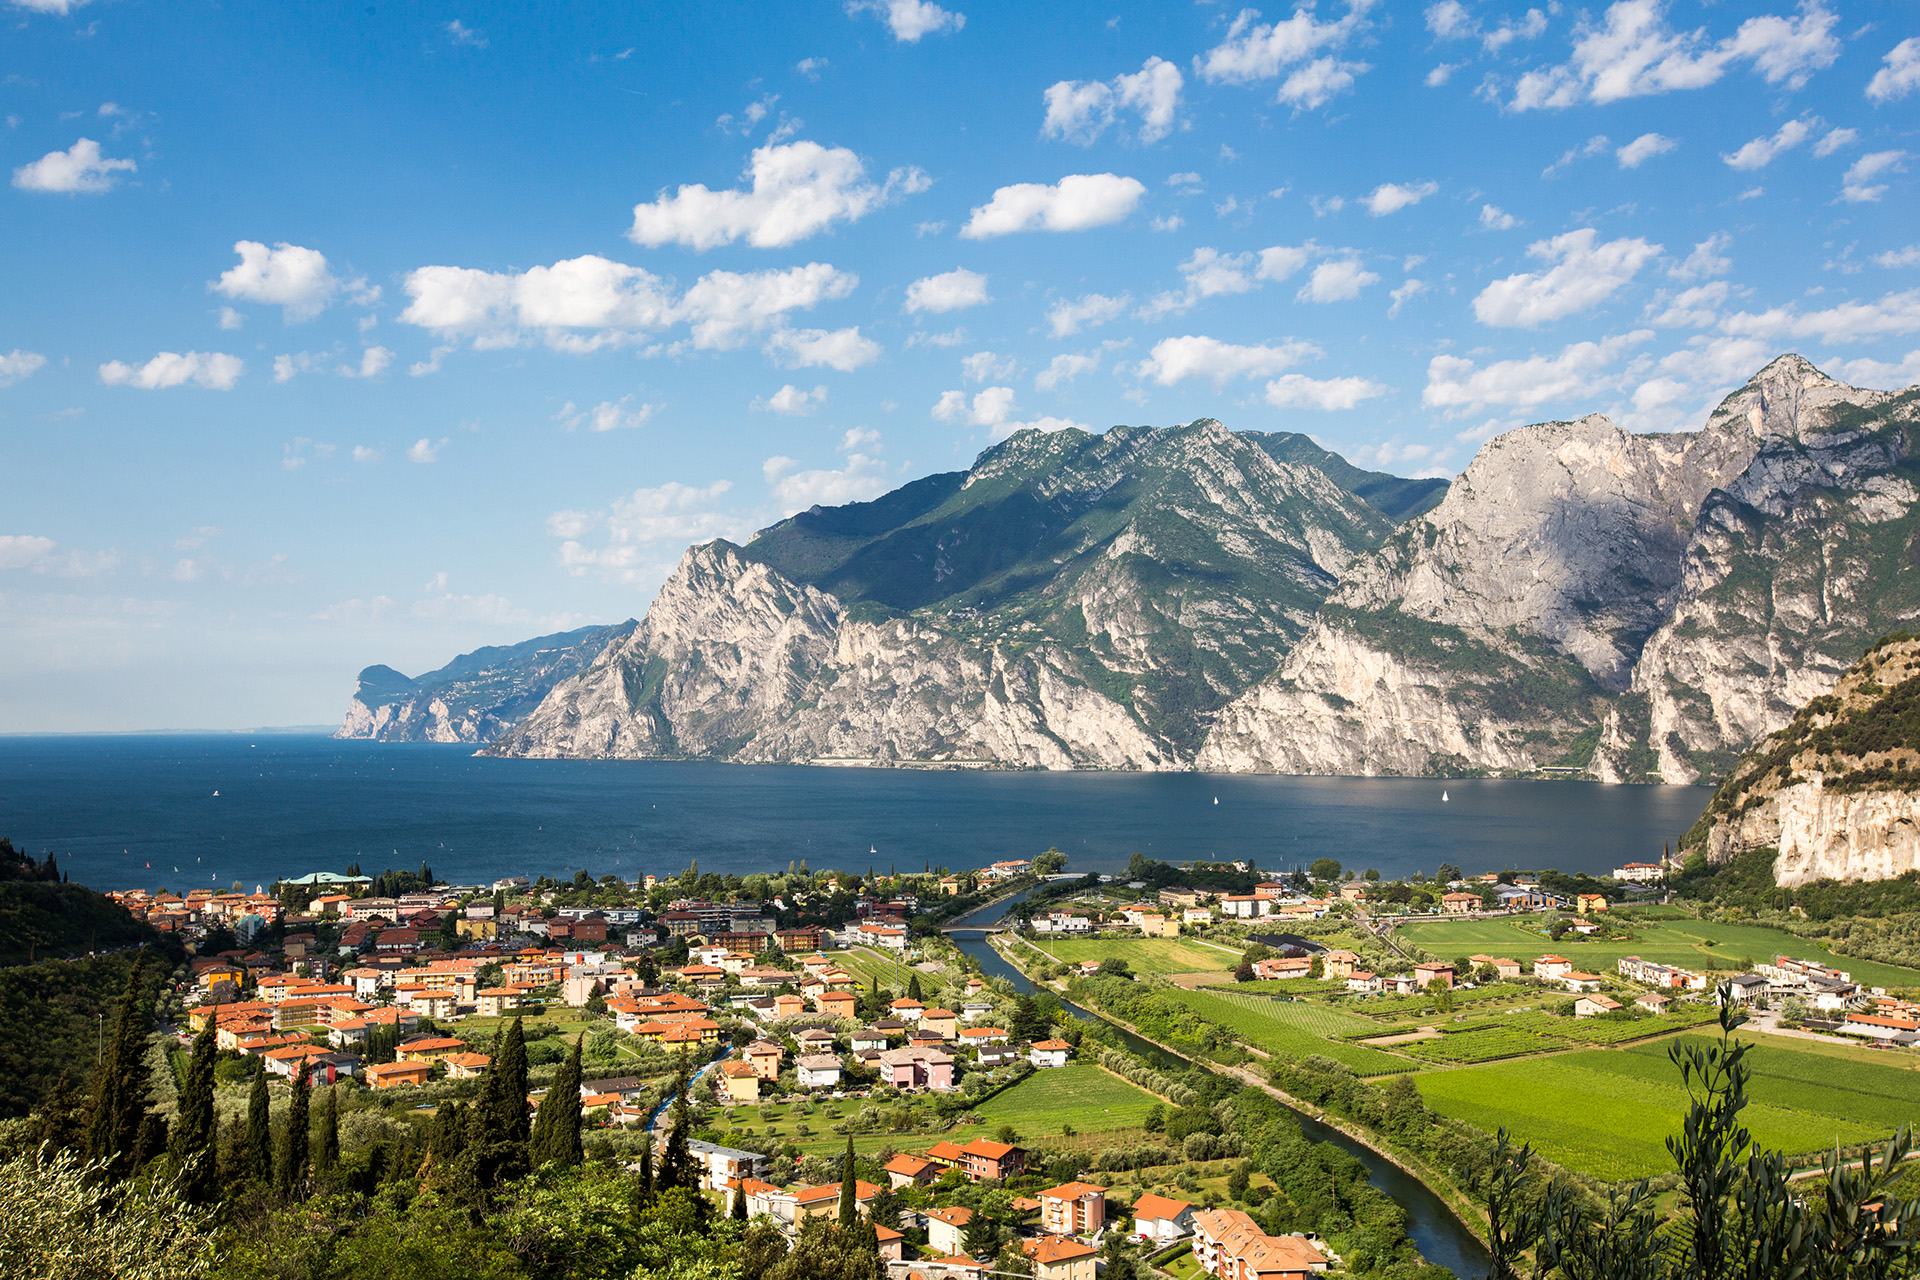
1295	1028
1486	1043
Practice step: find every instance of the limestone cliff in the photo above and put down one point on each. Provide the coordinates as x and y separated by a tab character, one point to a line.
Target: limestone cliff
1837	791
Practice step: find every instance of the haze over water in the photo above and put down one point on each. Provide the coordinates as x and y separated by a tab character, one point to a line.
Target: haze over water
110	806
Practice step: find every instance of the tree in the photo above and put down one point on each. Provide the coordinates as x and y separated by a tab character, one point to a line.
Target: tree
676	1159
913	988
1052	862
1115	967
328	1157
66	1220
981	1239
120	1085
293	1143
556	1129
60	1121
1447	873
739	1213
849	1188
1372	876
191	1143
1325	869
1243	972
258	1145
511	1069
1030	1022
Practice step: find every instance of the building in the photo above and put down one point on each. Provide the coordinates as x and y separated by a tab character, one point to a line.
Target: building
722	1166
1552	968
818	1071
1432	974
1229	1244
908	1171
739	1082
940	1022
1061	1259
1654	1002
1363	982
1594	1005
1577	980
1640	872
466	1066
1073	1209
1162	1220
1661	976
1338	964
983	1160
1283	967
393	1075
918	1068
1155	925
1459	904
764	1057
1062	922
1589	902
427	1048
1049	1053
946	1229
1747	987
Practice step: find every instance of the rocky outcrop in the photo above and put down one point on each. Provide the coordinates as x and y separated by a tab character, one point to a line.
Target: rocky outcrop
1627	607
1837	791
476	697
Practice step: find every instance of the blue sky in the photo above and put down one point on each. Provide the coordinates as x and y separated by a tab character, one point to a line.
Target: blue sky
349	335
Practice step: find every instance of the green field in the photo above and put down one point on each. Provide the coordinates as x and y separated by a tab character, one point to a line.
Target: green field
1683	941
1609	1113
1295	1029
1078	1094
1143	955
869	966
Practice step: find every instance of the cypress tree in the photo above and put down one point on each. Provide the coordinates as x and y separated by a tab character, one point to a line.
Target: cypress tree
120	1085
849	1188
191	1144
913	988
740	1200
444	1140
328	1157
61	1118
293	1147
511	1068
258	1147
676	1160
642	1194
556	1129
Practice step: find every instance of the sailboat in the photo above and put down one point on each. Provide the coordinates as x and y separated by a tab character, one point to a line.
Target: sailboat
1443	795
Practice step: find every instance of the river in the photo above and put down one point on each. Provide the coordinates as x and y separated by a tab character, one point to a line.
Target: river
1439	1235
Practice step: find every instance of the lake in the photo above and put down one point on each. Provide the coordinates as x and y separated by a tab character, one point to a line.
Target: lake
126	811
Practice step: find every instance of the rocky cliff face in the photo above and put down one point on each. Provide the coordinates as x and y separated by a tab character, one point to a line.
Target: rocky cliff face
1627	607
1072	601
1837	791
474	698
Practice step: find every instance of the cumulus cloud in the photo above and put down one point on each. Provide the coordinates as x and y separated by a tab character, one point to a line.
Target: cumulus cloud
910	19
79	170
672	513
1634	52
210	369
1494	218
609	415
1759	153
1593	146
426	450
1065	368
1851	321
1695	308
1709	258
1580	371
841	349
1879	373
987	366
1297	391
36	554
860	477
1406	292
1391	197
948	291
792	401
1580	274
1644	148
1859	187
994	408
1907	257
1081	110
1450	20
461	34
1298	48
1069	316
1339	280
1833	141
1900	76
18	364
1173	360
1075	203
373	363
796	189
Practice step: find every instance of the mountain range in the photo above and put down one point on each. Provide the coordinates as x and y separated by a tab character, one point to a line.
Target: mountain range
1581	599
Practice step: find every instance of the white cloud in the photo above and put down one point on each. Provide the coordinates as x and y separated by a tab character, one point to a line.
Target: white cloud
1531	26
1591	147
1075	203
1279	261
910	19
1081	110
1167	222
842	349
1580	274
725	307
1457	385
1644	148
1833	141
942	338
1900	76
1441	74
1852	321
58	7
425	450
861	478
987	366
797	190
210	369
1065	368
1173	360
750	115
286	366
1760	152
288	276
367	455
1391	197
993	408
373	363
43	556
1695	308
1494	218
608	415
301	450
1907	257
1709	258
1208	273
1634	53
1858	187
1449	20
231	319
1339	280
1878	373
1409	290
20	550
18	364
672	513
811	67
791	400
79	170
1067	318
462	34
1300	46
948	291
1297	391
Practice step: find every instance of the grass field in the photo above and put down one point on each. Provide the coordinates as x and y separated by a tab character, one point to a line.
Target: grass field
1683	941
1295	1029
1609	1113
869	965
1078	1094
1143	955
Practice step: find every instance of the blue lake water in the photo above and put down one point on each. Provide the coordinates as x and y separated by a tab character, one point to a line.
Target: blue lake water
125	811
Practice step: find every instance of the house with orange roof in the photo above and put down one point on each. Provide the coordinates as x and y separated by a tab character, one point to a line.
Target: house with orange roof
466	1066
1073	1209
764	1056
1055	1258
393	1075
428	1048
946	1228
739	1082
1161	1219
944	1023
984	1160
947	1155
839	1004
1049	1053
908	1171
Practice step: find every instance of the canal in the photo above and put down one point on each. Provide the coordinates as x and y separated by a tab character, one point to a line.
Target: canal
1439	1235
